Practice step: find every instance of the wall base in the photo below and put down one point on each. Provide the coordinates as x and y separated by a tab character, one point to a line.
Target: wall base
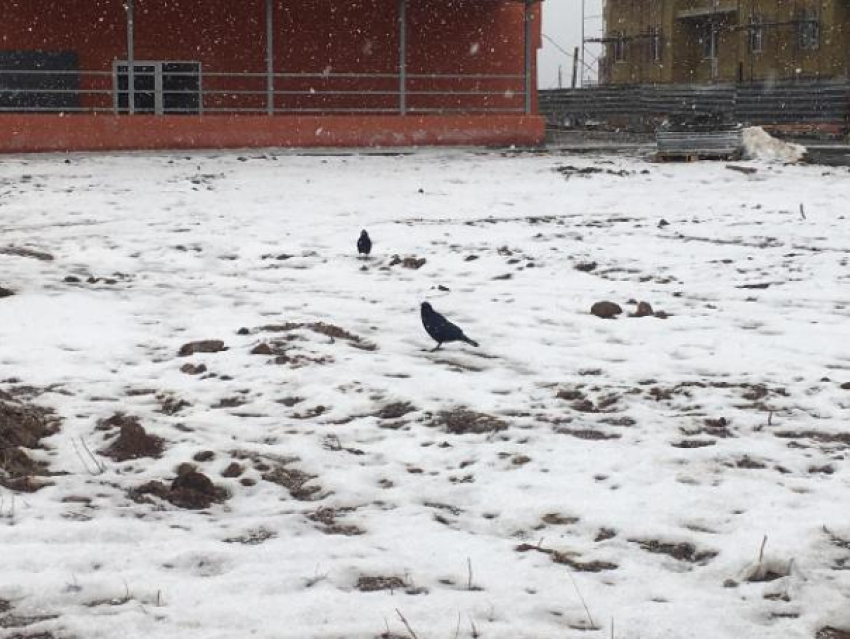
51	133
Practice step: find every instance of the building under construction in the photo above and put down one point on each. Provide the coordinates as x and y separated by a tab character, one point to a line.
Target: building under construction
724	41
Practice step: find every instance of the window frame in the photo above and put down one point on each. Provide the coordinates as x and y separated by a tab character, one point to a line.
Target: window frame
158	91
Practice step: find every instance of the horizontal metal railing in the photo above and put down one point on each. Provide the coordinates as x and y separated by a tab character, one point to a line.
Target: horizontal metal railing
201	92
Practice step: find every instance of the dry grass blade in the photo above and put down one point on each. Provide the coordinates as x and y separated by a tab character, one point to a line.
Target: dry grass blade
583	603
406	625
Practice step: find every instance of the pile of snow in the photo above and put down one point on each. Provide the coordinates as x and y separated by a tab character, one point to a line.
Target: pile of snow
760	145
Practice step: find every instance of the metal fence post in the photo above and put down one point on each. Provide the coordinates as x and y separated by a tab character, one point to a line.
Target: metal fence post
402	57
131	58
527	53
270	56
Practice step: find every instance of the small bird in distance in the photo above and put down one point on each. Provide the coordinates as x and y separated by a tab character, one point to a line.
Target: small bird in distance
364	243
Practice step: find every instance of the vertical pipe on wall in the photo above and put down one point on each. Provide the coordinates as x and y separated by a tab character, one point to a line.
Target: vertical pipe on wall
402	57
583	39
527	53
270	56
131	57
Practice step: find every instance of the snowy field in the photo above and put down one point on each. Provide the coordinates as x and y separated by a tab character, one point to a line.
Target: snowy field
679	475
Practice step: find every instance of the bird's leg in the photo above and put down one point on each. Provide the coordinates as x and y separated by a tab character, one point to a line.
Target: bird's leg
437	347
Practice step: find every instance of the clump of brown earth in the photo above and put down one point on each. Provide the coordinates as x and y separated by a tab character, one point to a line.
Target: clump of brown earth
22	427
190	489
461	421
606	310
411	262
610	310
5	292
133	441
202	346
285	352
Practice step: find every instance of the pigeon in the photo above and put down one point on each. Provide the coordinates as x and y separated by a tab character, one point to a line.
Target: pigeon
441	329
364	243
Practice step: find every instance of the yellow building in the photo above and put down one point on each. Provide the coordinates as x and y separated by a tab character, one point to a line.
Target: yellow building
723	41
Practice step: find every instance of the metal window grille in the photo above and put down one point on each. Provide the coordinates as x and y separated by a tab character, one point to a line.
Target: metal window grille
159	87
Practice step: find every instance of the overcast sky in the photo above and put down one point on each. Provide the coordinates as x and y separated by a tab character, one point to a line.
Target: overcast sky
562	24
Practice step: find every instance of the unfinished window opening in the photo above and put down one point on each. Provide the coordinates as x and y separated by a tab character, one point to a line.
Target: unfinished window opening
159	88
756	34
619	48
709	41
656	44
808	30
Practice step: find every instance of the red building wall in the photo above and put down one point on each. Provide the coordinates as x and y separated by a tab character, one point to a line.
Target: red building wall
458	37
311	36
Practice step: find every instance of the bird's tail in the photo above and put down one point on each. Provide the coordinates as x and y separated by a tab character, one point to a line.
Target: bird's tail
470	341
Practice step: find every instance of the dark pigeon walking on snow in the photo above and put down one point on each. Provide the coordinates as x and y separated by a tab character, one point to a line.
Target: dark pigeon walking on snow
441	329
364	244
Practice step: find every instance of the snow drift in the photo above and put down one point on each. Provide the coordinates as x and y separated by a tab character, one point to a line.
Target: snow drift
760	145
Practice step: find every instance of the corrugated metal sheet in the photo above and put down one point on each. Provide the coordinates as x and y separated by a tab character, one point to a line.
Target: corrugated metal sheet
726	141
763	103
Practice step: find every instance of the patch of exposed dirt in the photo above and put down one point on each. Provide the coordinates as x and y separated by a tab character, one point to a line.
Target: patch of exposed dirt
322	328
748	463
836	540
328	518
252	537
171	405
683	551
462	421
202	346
605	534
193	369
191	490
570	394
20	251
823	438
587	433
133	441
396	410
233	470
828	632
567	559
23	426
604	404
606	310
569	171
276	470
693	443
5	292
555	519
411	262
377	583
230	402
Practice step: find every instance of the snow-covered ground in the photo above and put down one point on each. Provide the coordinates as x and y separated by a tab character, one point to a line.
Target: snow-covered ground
630	469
